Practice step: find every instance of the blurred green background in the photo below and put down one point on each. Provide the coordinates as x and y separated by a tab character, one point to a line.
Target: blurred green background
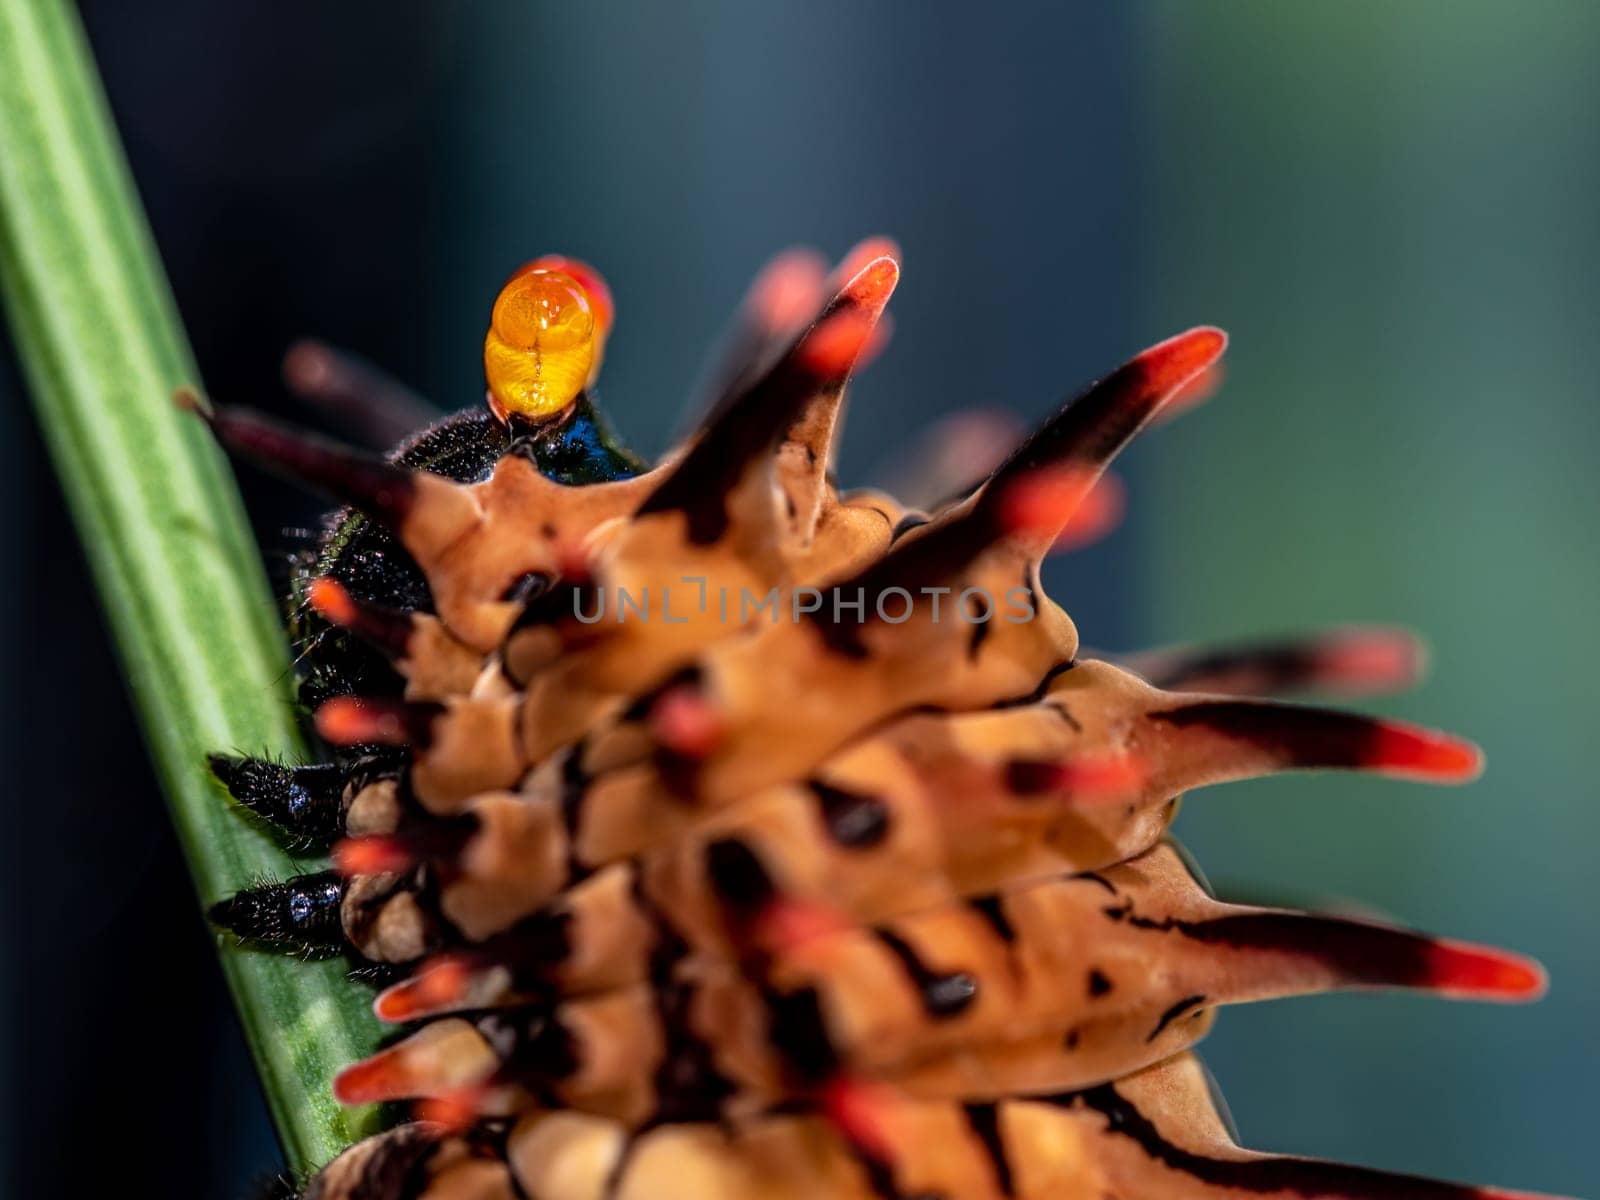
1391	207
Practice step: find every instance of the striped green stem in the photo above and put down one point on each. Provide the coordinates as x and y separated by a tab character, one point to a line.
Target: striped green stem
101	347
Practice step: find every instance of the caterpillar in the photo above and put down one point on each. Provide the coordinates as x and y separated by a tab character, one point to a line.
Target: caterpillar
712	832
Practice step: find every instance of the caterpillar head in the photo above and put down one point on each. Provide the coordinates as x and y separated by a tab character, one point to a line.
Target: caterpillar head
546	337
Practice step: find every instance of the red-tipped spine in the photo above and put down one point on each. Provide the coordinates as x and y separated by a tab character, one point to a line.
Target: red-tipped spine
373	854
1359	954
439	985
684	721
1086	779
1353	661
359	721
786	293
1289	736
382	490
384	629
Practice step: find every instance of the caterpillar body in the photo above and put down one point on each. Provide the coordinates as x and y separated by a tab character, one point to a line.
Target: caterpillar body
715	833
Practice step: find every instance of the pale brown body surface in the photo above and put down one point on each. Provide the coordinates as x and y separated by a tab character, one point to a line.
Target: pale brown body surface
806	902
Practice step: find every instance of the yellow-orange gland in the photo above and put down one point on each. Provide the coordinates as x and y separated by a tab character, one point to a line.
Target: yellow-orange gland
541	344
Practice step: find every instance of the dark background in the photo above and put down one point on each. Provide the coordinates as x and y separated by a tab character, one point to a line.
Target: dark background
1390	207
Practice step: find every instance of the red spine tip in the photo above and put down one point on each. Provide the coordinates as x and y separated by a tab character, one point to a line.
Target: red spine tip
843	343
786	924
873	284
437	986
1174	362
375	854
866	251
686	723
1370	660
352	721
787	292
307	367
1098	513
1412	752
453	1112
1193	394
1044	501
331	601
1103	776
1484	973
862	1112
381	1077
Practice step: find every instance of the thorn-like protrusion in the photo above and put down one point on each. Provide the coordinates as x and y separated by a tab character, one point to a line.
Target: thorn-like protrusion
1353	661
746	427
383	629
440	1059
1078	443
379	488
1213	740
362	721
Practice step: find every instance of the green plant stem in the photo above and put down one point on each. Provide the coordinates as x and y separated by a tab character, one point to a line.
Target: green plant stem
181	582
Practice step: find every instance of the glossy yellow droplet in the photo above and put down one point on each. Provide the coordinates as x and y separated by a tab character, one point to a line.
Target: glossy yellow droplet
541	344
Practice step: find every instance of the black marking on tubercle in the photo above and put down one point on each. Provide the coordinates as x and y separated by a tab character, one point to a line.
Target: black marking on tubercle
992	909
739	877
1042	689
1361	953
1263	1175
1099	984
906	524
688	1084
985	1122
980	634
541	1046
1031	777
854	819
1096	877
945	994
1278	666
1301	734
1173	1013
527	588
574	787
800	1033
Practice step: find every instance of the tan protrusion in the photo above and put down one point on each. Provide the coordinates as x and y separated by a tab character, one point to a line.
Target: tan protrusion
783	1158
831	697
436	664
475	747
384	922
619	1048
526	524
374	809
471	1179
611	938
565	1155
508	868
1083	1054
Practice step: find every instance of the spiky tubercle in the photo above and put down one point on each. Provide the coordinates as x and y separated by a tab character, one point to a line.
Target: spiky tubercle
781	842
